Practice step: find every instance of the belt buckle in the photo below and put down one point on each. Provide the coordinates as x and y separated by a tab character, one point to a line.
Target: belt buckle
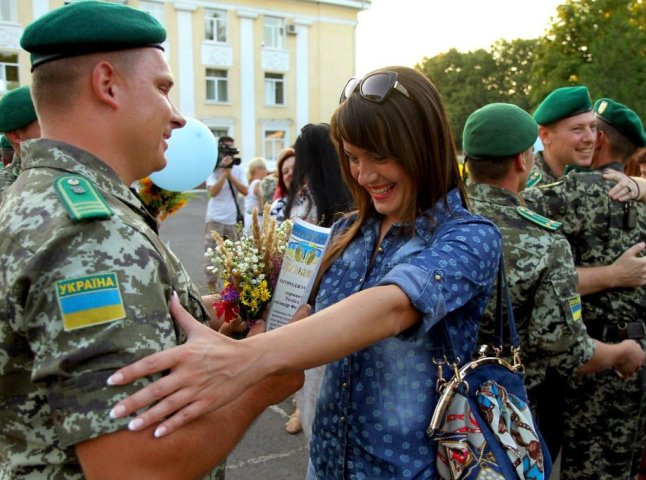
631	330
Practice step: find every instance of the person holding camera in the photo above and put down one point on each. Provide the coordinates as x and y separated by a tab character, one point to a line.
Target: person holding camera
223	212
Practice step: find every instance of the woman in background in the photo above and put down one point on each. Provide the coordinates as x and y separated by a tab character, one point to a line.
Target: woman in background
321	197
256	171
285	172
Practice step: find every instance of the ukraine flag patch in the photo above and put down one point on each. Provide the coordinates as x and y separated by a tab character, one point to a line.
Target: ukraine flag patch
575	307
91	300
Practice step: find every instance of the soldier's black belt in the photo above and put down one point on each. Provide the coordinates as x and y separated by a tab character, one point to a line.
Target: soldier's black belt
619	332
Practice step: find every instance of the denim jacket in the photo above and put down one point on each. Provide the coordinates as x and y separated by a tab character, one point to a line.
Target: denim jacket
375	405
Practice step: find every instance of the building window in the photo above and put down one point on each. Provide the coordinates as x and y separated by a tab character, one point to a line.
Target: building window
217	85
215	25
153	8
8	12
8	71
275	32
274	89
274	143
219	132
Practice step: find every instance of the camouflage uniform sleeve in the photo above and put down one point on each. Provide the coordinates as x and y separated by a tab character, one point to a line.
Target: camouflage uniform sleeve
556	325
93	299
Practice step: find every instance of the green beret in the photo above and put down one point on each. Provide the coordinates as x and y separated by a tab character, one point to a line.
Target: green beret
16	109
5	144
498	130
563	103
622	118
81	28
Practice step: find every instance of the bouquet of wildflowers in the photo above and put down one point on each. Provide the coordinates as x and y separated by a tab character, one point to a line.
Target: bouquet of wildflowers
249	268
159	202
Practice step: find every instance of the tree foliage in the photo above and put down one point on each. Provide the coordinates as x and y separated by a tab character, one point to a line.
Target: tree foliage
597	43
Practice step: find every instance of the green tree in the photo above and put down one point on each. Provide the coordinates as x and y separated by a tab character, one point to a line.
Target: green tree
597	43
466	81
513	62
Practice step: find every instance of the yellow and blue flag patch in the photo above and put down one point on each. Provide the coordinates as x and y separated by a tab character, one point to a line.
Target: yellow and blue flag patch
91	300
575	307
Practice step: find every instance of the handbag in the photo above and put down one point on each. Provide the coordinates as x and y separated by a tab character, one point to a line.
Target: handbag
482	422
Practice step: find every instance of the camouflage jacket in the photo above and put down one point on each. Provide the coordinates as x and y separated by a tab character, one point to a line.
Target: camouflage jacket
9	173
81	299
541	173
599	230
543	286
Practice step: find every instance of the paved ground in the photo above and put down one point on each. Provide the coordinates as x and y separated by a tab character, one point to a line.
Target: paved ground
267	452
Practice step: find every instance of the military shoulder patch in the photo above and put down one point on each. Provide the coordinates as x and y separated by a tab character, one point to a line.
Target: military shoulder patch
575	307
538	219
550	185
81	199
535	176
87	301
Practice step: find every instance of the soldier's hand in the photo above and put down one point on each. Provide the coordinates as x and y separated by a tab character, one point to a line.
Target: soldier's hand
630	267
631	360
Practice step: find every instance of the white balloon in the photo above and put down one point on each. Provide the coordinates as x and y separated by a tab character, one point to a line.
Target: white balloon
191	156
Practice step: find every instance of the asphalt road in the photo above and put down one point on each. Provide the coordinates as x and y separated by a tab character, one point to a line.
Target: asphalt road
266	452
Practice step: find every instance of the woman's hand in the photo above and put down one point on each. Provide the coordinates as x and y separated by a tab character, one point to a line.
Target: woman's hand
207	372
626	188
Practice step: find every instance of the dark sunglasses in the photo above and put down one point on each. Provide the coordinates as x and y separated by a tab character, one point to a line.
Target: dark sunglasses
375	87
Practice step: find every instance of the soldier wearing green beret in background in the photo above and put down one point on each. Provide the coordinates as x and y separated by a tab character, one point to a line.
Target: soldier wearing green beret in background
605	417
19	123
498	140
7	151
86	281
567	128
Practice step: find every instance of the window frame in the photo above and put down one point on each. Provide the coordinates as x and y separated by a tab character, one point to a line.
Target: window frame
218	24
274	32
5	84
216	80
275	87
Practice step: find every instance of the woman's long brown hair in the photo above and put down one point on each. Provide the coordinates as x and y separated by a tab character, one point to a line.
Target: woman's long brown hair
414	132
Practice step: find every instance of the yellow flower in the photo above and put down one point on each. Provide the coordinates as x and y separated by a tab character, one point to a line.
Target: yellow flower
263	291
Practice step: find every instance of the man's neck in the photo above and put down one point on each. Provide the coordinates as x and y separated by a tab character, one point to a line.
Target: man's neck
556	167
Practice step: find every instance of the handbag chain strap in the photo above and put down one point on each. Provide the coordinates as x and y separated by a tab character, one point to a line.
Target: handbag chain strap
445	387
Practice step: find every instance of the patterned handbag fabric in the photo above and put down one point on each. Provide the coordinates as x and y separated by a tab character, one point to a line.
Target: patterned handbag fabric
482	422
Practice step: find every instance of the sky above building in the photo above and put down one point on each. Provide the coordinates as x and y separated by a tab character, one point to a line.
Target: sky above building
403	32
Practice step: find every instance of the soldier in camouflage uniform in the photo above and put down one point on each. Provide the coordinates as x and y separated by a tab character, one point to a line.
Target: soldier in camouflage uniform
605	414
19	122
567	129
498	141
86	281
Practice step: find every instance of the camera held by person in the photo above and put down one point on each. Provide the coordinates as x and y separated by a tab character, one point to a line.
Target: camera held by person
227	156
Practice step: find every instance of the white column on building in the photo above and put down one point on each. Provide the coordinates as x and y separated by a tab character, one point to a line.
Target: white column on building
39	7
302	72
247	142
186	74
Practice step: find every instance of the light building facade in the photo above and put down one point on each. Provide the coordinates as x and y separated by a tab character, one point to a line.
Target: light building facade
257	71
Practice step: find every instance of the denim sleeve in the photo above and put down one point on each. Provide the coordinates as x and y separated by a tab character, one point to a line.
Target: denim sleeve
456	270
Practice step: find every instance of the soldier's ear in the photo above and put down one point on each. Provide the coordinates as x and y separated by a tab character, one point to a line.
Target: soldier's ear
105	83
521	162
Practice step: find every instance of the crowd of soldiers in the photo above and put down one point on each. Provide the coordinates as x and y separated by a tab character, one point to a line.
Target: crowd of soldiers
572	242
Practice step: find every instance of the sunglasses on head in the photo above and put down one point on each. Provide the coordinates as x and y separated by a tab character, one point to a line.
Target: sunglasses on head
375	87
